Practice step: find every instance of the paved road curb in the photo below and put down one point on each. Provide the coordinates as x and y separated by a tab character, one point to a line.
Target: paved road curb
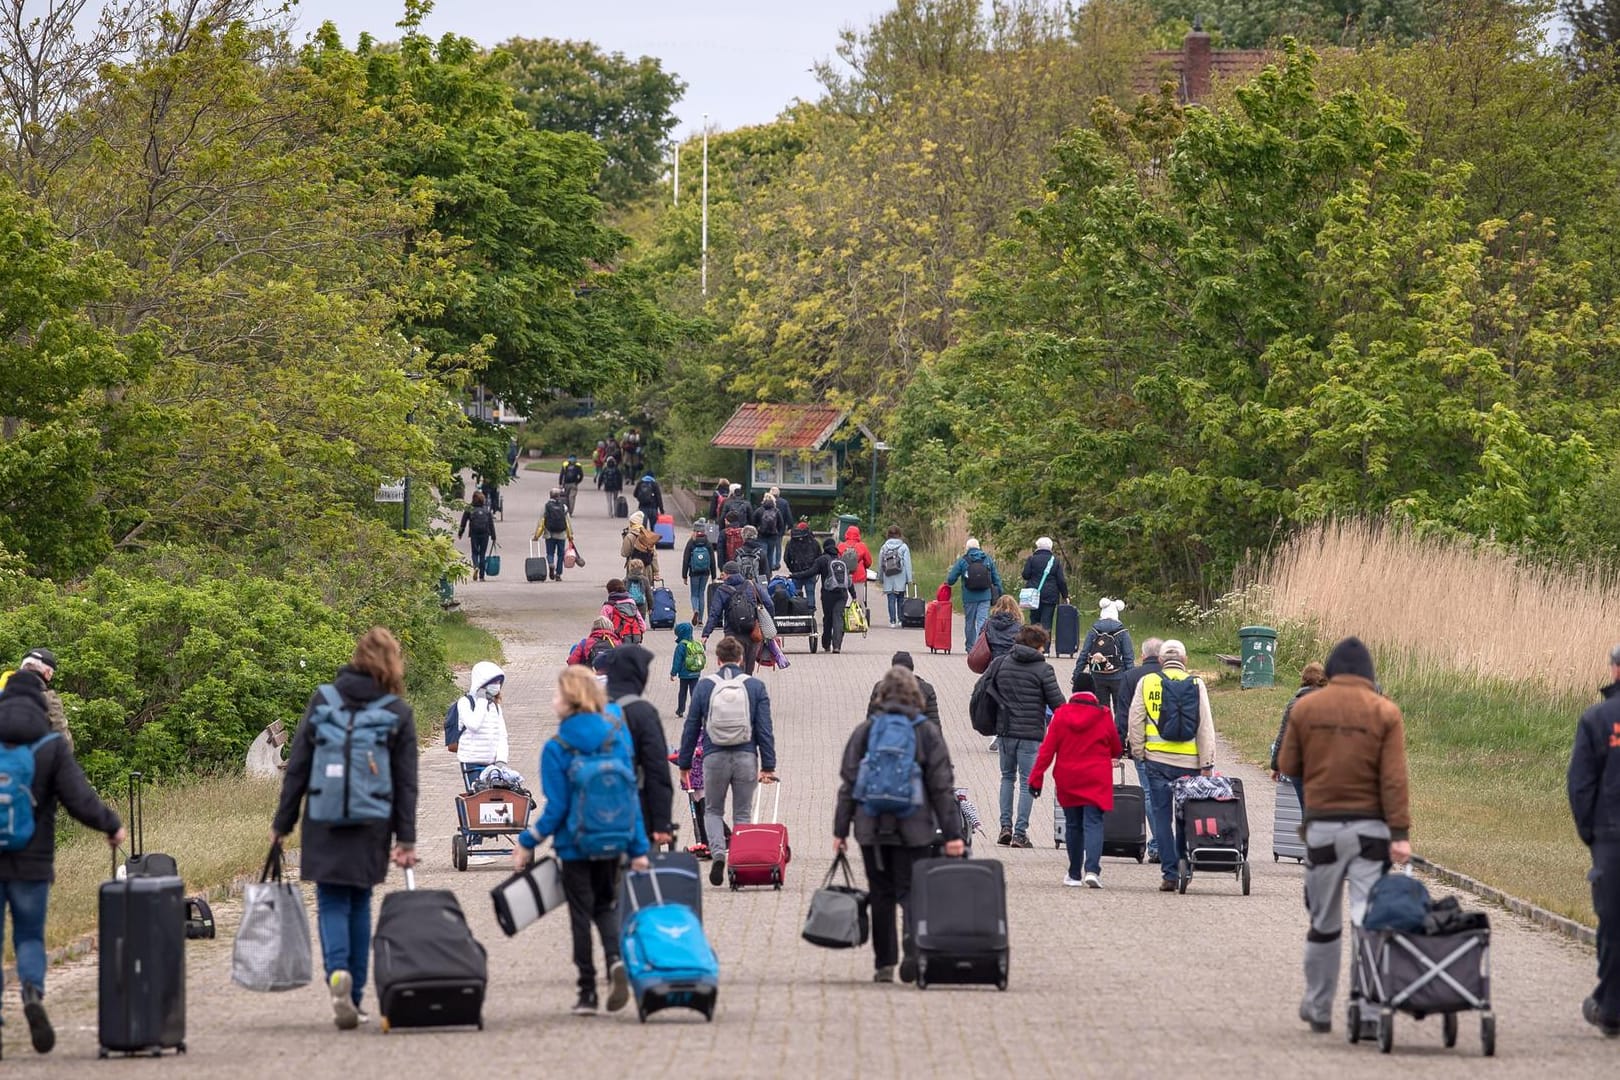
1571	929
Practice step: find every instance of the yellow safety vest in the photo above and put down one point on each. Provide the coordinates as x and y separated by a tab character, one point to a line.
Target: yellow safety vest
1152	701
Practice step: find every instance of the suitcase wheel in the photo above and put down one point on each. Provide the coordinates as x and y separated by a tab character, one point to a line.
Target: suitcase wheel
1487	1033
458	851
813	644
1184	875
1448	1029
1386	1030
1245	879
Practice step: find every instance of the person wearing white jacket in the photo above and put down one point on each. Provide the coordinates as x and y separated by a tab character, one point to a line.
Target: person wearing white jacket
483	724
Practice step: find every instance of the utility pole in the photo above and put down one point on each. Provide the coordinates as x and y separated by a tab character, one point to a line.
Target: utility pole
705	273
677	173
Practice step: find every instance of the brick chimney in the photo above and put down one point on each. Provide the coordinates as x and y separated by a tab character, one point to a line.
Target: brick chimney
1196	64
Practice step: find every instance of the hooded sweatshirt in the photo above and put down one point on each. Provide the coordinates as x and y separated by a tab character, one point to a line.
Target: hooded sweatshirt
1081	744
587	731
1002	630
852	539
627	668
483	724
677	664
896	583
1347	744
25	719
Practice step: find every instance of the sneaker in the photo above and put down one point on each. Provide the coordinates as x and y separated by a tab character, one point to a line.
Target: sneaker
1589	1012
1005	838
1318	1027
717	872
586	1005
883	974
1092	881
1167	885
39	1025
344	1013
1020	840
365	1017
995	745
908	971
618	987
1069	881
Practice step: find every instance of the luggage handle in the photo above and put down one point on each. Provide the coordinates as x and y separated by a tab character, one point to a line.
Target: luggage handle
272	865
137	816
535	548
410	880
776	810
840	862
658	893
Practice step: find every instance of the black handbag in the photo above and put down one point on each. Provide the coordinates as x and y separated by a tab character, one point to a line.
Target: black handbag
838	918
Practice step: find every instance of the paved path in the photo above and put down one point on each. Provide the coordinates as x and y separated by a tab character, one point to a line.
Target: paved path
1122	982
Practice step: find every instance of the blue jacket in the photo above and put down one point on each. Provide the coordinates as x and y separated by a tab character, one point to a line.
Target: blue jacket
1594	771
959	570
581	730
759	708
677	665
1127	651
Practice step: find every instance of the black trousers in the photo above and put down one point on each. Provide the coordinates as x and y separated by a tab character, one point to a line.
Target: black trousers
888	885
1605	879
591	887
833	604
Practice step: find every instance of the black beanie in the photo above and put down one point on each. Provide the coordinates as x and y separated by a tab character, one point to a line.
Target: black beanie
1350	657
903	659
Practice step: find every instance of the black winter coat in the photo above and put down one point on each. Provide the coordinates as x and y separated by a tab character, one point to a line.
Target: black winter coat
626	668
354	855
917	829
1002	630
802	550
1026	686
1127	691
930	700
24	718
1056	587
1594	771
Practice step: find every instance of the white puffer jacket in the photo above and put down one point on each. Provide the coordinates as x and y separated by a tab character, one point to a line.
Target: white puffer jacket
483	725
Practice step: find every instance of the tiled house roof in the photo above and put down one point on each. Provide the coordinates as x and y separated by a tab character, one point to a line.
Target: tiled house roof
1195	66
779	427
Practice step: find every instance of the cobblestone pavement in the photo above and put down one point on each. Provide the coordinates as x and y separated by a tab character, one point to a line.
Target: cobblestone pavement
1126	981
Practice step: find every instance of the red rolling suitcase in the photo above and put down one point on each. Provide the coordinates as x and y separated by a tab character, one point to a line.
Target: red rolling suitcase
937	630
758	853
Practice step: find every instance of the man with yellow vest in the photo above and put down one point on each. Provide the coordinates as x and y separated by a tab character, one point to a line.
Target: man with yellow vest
1172	732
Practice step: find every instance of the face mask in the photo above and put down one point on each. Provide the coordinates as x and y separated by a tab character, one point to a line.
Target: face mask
492	690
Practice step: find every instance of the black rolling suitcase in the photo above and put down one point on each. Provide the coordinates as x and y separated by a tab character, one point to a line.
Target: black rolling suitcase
1124	827
1066	630
536	567
678	883
430	970
959	922
142	960
914	611
621	508
142	863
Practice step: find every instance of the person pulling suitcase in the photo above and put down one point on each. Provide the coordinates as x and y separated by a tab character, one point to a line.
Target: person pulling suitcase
39	772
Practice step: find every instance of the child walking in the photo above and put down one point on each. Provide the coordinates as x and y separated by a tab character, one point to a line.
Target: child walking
1081	745
687	665
593	818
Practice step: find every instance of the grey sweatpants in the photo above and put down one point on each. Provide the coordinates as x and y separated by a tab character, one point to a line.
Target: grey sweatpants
728	772
1325	878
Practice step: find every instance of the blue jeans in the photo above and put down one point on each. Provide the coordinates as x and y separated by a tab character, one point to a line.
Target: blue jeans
1042	617
896	599
1160	790
554	555
1083	832
1147	794
343	913
700	590
480	549
1017	758
773	551
26	899
974	616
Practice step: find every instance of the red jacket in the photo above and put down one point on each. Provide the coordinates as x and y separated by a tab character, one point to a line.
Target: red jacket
1081	743
852	539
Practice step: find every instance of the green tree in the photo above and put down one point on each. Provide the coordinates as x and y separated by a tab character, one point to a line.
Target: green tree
623	104
1247	24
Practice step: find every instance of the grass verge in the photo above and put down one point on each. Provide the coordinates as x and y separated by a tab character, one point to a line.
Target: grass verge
465	643
217	829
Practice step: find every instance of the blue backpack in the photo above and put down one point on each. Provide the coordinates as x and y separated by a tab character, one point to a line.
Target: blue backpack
1178	709
890	779
702	559
452	721
17	793
602	816
351	780
1397	902
636	593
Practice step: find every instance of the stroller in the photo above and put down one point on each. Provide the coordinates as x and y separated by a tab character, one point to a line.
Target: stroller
1214	836
496	806
1420	974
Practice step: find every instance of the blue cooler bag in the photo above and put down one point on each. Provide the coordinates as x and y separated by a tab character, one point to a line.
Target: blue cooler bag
667	957
492	566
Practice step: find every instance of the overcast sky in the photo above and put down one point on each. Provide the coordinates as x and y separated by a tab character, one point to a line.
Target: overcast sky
742	60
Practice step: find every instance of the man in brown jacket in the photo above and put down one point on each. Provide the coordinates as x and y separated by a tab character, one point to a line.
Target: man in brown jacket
1345	749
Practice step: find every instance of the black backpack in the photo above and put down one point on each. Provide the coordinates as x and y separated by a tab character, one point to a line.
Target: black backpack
977	575
1108	645
644	493
742	611
481	520
556	516
769	524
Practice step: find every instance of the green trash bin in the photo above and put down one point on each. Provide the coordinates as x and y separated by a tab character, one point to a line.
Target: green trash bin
844	522
1258	650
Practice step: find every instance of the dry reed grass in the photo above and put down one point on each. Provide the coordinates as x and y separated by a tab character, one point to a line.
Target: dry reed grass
1426	603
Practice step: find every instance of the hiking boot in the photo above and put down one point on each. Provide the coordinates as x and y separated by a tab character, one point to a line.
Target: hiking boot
1318	1027
344	1013
586	1005
39	1025
1071	882
1006	836
717	872
1020	840
908	970
1590	1013
1092	881
884	974
1167	885
618	987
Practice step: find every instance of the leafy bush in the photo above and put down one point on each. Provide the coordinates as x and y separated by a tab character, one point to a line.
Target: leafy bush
567	435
